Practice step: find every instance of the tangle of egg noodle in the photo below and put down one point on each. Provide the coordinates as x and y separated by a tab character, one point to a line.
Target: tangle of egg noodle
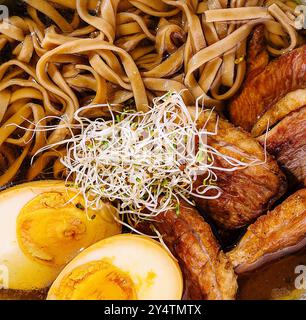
117	50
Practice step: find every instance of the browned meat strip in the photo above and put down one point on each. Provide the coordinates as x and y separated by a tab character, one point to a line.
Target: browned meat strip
275	234
208	273
257	56
247	192
261	92
287	142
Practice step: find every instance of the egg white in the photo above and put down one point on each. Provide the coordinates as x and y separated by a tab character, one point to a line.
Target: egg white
138	256
22	273
18	270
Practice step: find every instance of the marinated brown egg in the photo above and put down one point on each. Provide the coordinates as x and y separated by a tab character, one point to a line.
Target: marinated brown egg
122	267
43	225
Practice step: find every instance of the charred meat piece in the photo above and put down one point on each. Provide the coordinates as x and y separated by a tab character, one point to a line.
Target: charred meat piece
263	90
208	273
248	191
257	55
273	235
293	101
287	142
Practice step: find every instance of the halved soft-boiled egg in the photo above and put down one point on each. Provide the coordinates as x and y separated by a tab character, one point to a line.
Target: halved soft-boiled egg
122	267
43	225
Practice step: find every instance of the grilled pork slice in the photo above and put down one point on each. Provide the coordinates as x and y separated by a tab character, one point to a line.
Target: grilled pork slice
248	191
287	142
263	90
257	56
208	273
281	231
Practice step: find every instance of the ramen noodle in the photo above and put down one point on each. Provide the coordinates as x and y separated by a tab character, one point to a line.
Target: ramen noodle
65	54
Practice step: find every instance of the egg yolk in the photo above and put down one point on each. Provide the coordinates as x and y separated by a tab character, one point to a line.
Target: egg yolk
96	280
53	227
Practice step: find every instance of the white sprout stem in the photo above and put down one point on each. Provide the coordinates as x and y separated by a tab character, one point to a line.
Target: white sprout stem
144	161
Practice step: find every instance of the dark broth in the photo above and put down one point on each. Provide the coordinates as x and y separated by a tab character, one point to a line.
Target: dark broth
272	281
23	295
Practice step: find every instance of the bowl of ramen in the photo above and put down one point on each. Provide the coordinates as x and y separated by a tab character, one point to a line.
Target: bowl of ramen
152	150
